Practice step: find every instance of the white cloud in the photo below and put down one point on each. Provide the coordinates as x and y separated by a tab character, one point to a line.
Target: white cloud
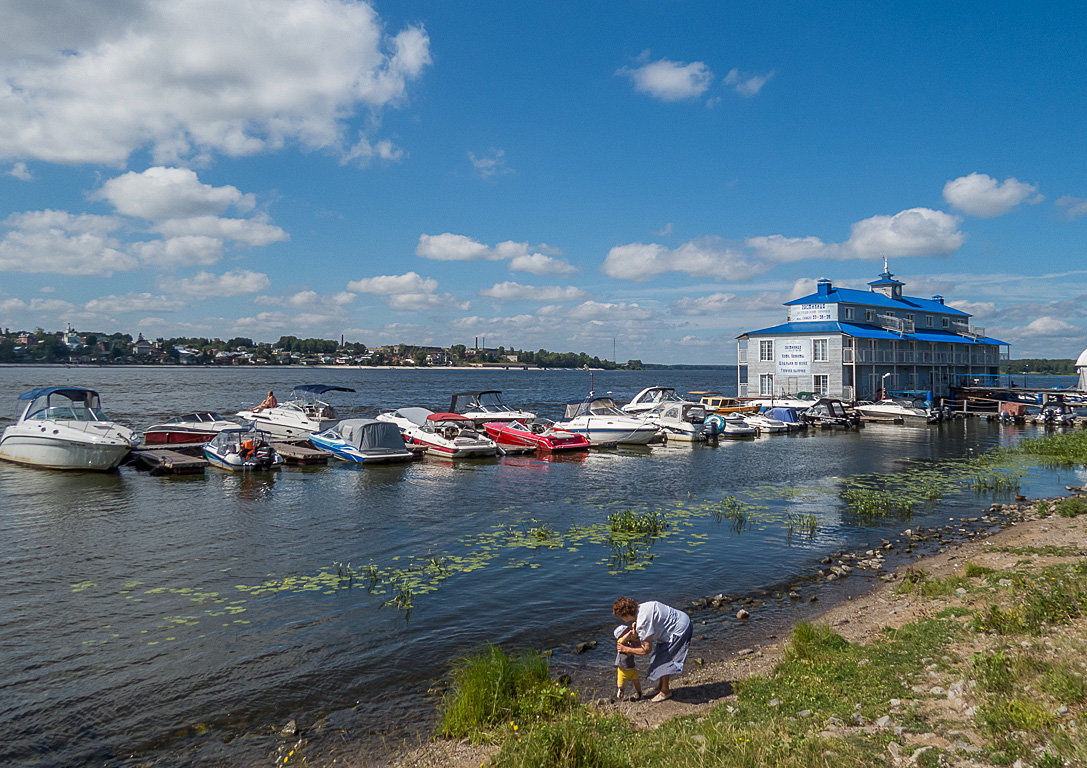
234	283
61	243
1049	326
493	163
745	83
132	302
90	84
170	193
707	257
714	304
1074	207
783	250
409	291
522	258
669	80
184	251
596	311
983	196
21	172
254	231
511	291
972	307
913	232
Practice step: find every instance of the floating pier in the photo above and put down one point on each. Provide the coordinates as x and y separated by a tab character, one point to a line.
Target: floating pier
163	461
293	453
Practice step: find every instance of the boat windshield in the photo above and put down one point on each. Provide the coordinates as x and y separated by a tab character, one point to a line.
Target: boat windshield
57	406
487	402
605	406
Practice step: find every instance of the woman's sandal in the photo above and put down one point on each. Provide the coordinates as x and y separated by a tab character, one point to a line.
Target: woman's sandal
661	697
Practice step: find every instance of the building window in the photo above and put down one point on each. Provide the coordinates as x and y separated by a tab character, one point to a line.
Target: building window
819	352
945	322
847	313
766	384
869	315
928	320
820	383
766	351
909	316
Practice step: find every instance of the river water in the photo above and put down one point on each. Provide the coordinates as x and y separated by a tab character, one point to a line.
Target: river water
180	621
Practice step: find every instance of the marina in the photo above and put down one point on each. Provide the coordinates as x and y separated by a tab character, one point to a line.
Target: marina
277	582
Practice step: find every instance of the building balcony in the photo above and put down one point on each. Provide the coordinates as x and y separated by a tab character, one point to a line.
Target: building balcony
895	324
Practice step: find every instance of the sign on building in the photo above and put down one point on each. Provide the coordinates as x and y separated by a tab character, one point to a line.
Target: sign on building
811	313
793	356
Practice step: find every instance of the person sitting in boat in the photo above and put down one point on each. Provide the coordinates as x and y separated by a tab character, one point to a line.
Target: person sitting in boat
249	447
269	402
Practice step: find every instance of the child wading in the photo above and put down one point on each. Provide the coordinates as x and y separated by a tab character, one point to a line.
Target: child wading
624	662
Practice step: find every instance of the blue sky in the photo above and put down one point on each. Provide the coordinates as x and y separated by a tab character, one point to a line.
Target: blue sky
657	175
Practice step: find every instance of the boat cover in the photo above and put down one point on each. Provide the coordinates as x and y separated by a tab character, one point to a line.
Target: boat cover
371	434
781	413
75	394
414	415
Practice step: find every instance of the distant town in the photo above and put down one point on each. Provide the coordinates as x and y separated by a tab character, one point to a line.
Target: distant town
96	348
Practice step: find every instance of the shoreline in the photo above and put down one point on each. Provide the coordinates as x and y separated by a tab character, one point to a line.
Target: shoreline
858	607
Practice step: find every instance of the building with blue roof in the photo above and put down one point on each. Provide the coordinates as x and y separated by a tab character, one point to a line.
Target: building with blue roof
856	344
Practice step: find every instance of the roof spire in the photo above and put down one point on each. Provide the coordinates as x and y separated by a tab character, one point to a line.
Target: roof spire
886	270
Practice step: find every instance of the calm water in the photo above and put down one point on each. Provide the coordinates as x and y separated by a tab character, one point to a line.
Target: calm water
179	620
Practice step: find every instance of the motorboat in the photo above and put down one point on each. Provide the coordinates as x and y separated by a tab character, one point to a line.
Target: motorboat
599	419
730	425
801	402
651	398
715	402
364	441
303	414
487	406
241	449
190	429
787	415
65	428
829	412
441	434
535	436
680	420
764	424
897	409
1055	415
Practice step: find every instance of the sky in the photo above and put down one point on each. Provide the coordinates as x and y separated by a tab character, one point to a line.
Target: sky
635	180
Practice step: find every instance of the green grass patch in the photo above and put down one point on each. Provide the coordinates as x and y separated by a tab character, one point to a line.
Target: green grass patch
1067	447
973	570
582	739
1015	714
996	480
1073	506
1047	551
648	523
1056	595
870	504
491	688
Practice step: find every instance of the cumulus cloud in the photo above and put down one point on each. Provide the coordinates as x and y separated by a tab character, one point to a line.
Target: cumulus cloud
21	172
235	283
36	306
61	243
972	307
745	83
669	80
1050	326
409	291
913	232
980	195
511	291
451	247
707	257
596	311
714	304
170	193
184	251
92	83
308	299
254	231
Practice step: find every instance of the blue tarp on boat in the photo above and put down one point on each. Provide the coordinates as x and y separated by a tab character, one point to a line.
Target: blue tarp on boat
781	413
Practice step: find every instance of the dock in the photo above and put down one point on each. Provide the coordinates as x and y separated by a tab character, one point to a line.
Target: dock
163	461
294	453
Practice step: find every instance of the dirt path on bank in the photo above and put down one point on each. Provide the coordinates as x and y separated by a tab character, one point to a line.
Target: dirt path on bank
859	619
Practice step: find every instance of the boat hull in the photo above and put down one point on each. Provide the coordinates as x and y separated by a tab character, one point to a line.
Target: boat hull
56	453
234	463
287	429
177	437
607	435
507	437
347	452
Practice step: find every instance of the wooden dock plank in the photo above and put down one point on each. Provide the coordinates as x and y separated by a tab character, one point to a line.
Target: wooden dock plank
293	453
162	461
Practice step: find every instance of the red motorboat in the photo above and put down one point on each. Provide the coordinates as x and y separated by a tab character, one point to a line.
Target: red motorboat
535	436
190	429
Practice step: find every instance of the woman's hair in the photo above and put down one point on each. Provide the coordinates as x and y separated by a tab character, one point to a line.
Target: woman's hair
624	606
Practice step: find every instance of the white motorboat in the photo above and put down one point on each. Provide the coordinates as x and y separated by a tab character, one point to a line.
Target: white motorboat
764	424
441	434
298	418
65	428
680	420
364	441
652	398
241	449
482	406
601	421
896	409
190	429
730	425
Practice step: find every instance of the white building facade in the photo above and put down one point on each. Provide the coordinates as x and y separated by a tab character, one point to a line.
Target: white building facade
853	344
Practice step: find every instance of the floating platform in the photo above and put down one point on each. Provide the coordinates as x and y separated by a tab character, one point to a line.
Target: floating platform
163	461
294	453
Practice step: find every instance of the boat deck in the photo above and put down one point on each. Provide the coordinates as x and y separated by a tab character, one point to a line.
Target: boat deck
293	453
163	461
